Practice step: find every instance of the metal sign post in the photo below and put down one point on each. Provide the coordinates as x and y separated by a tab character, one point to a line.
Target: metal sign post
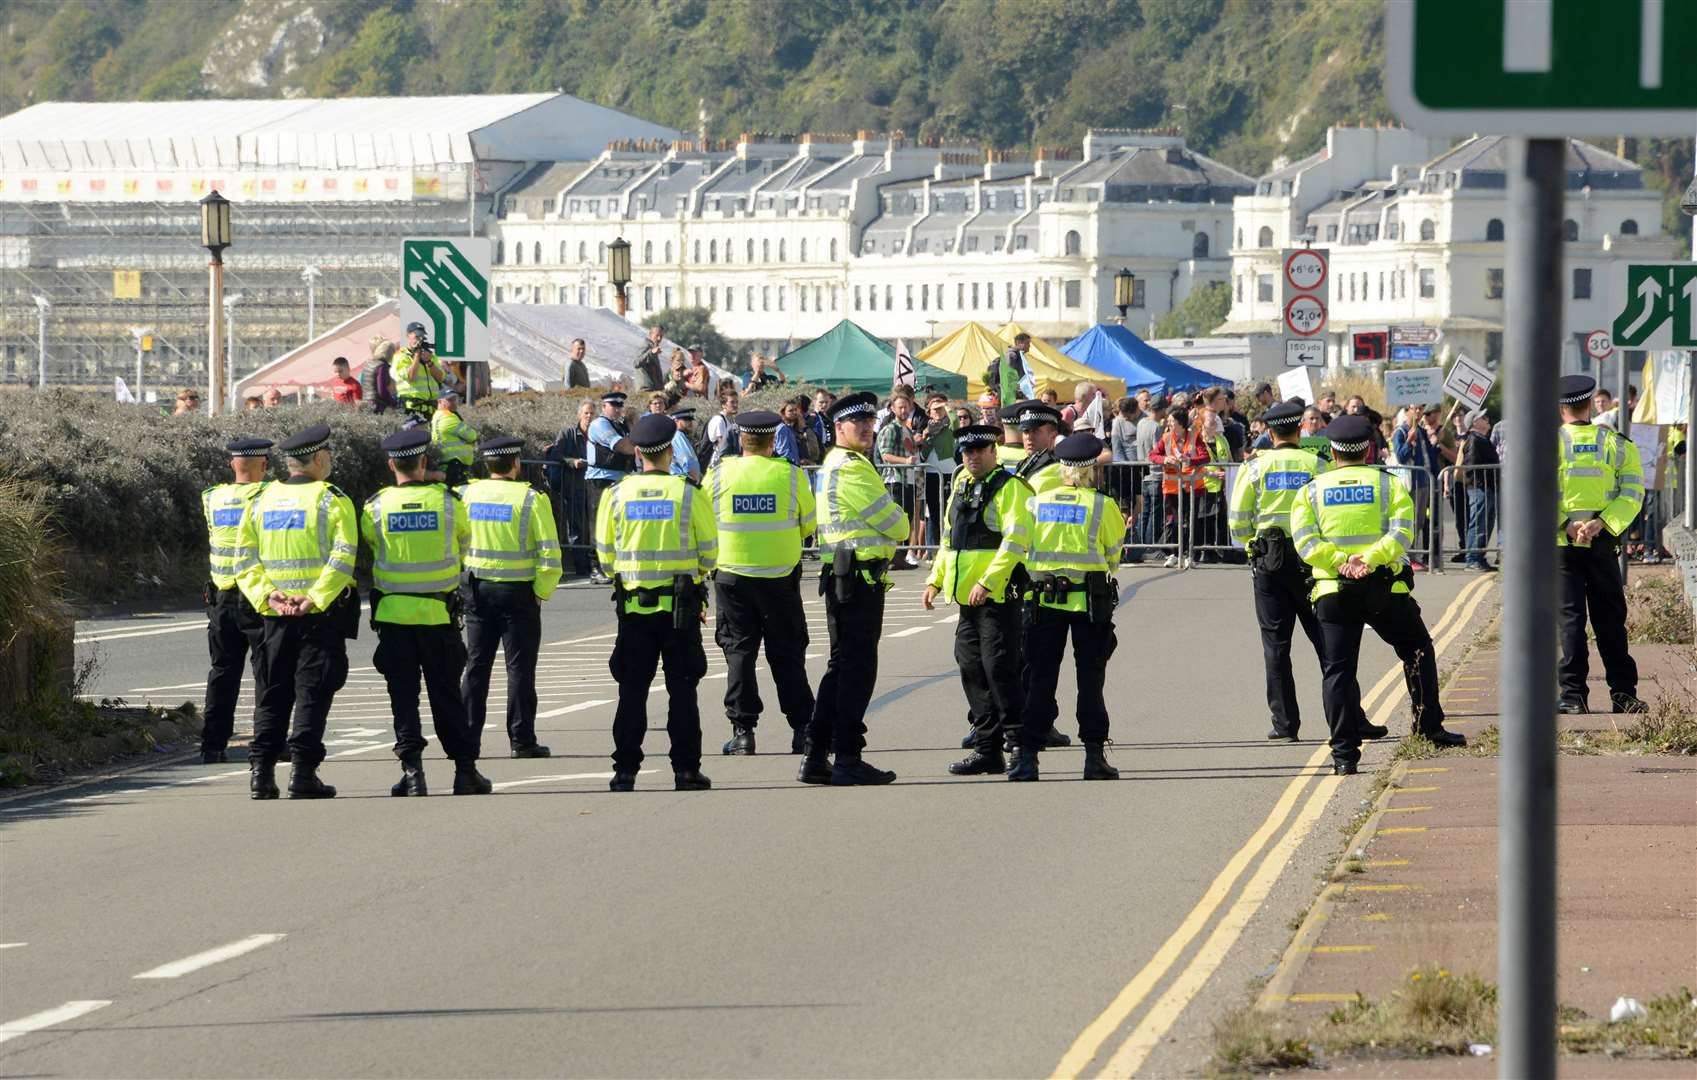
1526	901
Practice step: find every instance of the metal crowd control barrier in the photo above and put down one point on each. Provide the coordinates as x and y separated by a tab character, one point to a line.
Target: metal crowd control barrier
1472	492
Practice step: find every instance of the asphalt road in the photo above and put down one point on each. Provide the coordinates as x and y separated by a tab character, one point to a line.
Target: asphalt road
939	927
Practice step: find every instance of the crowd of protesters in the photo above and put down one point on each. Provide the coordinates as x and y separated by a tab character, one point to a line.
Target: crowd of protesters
1170	458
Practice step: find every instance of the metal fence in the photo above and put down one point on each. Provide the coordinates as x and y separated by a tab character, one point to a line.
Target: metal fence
1183	529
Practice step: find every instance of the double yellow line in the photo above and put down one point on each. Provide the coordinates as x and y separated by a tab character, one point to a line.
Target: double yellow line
1129	1056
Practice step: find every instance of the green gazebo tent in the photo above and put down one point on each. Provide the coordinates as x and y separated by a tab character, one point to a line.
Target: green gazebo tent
847	356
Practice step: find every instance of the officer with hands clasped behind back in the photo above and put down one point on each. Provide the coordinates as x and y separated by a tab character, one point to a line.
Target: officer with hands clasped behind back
1075	545
418	532
765	509
1353	525
1602	489
1039	430
1259	517
985	539
298	545
655	532
232	626
859	528
512	567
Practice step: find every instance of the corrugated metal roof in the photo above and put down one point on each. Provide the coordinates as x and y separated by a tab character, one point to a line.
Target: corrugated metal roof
308	133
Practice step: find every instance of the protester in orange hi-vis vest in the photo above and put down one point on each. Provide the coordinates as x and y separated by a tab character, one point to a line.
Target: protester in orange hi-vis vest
1180	453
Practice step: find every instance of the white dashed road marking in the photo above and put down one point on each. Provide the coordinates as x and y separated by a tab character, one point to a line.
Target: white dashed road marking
579	707
178	968
70	1010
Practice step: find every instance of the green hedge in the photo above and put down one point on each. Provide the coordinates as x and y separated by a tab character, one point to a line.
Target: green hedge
123	482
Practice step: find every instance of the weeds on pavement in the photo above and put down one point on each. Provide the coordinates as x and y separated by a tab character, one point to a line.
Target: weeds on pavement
1249	1041
1669	1030
1670	727
1657	612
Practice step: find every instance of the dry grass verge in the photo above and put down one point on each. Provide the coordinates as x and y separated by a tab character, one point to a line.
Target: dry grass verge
1657	612
1433	1013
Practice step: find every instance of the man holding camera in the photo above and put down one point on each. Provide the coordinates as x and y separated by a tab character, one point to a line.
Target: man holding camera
1353	526
419	377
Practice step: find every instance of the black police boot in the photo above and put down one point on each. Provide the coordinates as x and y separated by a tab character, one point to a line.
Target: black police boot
741	742
859	774
1280	735
210	756
1373	731
305	784
1024	767
262	779
468	781
1344	768
623	780
1441	737
690	780
1056	738
1096	765
412	777
980	763
814	770
1628	703
1572	706
534	750
798	740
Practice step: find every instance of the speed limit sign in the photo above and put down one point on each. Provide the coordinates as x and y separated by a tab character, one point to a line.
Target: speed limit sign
1598	345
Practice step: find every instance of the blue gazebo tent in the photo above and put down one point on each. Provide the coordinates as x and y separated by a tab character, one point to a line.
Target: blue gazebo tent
1112	348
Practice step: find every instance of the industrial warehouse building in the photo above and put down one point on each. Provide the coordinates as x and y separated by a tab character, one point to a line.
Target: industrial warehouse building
98	215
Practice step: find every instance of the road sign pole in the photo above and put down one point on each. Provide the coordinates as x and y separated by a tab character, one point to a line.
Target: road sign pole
1526	908
1690	429
1623	424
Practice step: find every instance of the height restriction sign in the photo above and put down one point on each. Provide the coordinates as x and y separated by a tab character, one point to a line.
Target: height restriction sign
1302	303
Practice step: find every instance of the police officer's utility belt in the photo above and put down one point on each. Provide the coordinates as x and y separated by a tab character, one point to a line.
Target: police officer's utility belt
846	576
1270	550
1101	592
450	600
683	590
1376	589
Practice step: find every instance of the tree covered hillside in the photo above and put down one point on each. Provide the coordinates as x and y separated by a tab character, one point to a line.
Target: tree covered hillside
1248	81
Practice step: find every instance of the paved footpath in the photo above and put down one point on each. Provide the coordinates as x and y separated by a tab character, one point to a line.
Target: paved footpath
159	923
1423	889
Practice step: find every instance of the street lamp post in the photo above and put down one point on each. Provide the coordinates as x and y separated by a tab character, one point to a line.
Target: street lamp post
618	271
310	275
1125	285
215	236
140	334
42	307
230	303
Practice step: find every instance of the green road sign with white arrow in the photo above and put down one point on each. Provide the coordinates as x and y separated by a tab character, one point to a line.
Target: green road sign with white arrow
1660	304
445	286
1542	67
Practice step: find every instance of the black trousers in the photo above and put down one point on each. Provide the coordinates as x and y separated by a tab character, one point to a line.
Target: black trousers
1281	602
751	611
644	642
1591	585
502	615
1341	616
839	710
1045	648
301	662
404	653
233	630
987	648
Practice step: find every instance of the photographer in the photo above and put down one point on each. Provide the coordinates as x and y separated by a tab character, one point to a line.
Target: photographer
418	376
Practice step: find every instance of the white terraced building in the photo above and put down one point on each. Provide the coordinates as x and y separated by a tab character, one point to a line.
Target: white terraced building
1415	232
98	214
782	239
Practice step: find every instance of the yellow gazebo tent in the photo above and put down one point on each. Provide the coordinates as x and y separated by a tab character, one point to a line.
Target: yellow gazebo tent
1057	369
969	350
